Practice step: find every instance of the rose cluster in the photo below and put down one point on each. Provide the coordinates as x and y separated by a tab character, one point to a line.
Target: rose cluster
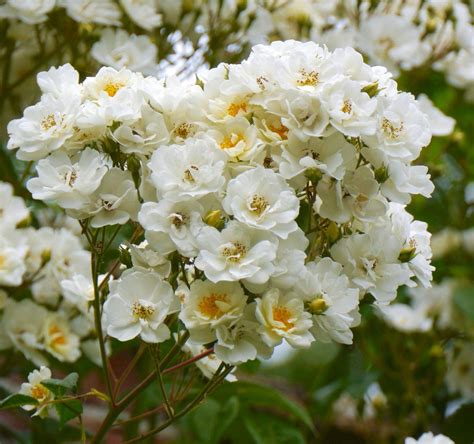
271	193
42	312
401	36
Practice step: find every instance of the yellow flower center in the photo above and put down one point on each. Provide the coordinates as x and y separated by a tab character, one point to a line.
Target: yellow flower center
231	141
208	307
183	130
58	338
39	392
235	108
347	106
283	315
235	252
112	87
48	122
308	78
142	312
188	176
391	130
281	130
258	204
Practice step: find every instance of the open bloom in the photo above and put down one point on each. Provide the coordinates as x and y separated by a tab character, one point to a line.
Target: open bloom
282	316
35	389
261	198
138	305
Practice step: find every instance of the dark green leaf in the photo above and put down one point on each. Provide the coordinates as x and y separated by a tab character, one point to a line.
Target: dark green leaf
17	400
259	395
68	410
459	426
227	415
205	419
60	386
267	429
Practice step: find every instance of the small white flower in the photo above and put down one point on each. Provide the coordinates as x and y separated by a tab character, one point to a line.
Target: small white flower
12	209
28	11
44	127
104	12
59	340
143	13
429	438
114	202
330	298
206	306
189	171
118	49
35	389
67	182
236	253
260	198
282	316
172	225
460	374
138	304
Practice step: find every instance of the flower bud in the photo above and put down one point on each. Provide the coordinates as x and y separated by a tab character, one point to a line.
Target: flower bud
317	306
214	219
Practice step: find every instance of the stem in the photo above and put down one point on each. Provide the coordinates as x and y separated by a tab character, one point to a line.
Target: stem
129	368
95	259
116	409
155	352
216	379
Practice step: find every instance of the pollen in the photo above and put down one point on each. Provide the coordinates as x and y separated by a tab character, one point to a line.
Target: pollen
258	204
188	175
347	107
179	219
112	87
231	141
235	252
142	312
48	122
70	177
39	392
281	130
235	108
308	78
283	315
208	306
391	130
58	338
184	130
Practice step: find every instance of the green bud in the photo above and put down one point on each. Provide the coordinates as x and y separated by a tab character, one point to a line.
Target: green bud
214	219
372	89
125	256
407	254
45	256
313	174
24	222
317	306
332	232
381	174
133	164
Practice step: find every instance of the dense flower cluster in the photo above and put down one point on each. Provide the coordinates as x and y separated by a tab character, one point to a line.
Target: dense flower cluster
398	35
46	261
280	184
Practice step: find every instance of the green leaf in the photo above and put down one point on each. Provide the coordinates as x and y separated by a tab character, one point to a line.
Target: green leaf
259	395
60	386
204	420
17	400
68	410
464	299
268	429
227	415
